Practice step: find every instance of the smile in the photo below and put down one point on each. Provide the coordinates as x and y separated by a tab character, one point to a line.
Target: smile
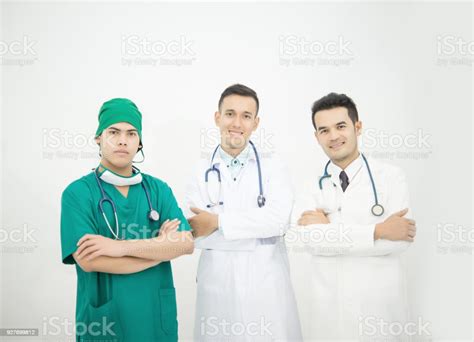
337	146
235	132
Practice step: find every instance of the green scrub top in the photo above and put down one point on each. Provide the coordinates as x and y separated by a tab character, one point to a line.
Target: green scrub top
121	307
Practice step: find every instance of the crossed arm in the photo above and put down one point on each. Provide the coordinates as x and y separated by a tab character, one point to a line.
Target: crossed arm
96	253
394	234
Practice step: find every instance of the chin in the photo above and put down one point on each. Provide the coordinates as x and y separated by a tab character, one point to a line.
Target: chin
120	163
236	142
338	155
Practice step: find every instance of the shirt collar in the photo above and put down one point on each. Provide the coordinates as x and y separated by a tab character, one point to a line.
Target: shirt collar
351	170
227	159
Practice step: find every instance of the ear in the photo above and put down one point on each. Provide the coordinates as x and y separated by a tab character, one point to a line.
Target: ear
217	118
97	140
358	128
256	123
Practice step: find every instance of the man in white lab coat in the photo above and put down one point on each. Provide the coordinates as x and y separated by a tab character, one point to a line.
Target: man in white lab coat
354	230
244	292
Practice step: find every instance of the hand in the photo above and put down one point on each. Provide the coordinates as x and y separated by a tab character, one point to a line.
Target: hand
91	246
169	227
313	217
396	228
203	223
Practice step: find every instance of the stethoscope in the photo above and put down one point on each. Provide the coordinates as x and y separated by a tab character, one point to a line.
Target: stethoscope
153	215
260	199
377	208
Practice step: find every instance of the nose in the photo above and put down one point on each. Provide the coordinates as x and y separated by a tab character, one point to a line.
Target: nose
237	122
333	135
122	139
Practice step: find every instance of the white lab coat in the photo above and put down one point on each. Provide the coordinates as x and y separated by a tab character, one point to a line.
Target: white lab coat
355	284
244	291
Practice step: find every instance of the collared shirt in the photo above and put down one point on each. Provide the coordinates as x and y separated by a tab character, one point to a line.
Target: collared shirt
351	170
235	165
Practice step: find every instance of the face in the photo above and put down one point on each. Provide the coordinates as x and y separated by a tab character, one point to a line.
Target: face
237	119
118	144
337	134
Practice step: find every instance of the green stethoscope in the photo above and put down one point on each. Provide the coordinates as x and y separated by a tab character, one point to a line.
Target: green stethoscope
377	209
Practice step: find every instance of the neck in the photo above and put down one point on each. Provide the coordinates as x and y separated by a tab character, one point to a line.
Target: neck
125	171
343	163
234	152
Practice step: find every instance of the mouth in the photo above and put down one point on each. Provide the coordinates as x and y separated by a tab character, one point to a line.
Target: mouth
122	153
235	133
336	146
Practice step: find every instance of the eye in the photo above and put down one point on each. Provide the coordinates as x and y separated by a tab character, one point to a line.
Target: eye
112	132
248	116
323	131
341	126
132	134
228	114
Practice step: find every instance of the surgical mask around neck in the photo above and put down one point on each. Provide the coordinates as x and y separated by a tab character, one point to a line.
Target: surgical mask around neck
113	178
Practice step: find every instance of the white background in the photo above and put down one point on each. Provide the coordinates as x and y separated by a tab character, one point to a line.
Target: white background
399	69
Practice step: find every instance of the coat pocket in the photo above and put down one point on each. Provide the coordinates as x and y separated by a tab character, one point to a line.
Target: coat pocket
100	324
168	309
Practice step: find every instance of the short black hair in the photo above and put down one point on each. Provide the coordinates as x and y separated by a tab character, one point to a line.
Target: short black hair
334	100
239	89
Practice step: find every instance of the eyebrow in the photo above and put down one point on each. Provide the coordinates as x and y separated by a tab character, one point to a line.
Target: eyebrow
339	123
128	130
233	111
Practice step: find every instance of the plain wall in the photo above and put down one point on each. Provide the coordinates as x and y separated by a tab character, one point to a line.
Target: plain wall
395	60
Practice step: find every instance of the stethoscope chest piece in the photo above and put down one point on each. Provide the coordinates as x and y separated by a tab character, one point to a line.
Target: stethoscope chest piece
377	210
154	215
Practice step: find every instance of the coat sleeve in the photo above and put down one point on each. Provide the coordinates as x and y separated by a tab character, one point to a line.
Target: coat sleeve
195	198
328	239
269	221
398	200
351	238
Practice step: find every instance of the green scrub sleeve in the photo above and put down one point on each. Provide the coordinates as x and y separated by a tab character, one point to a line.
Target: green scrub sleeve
76	218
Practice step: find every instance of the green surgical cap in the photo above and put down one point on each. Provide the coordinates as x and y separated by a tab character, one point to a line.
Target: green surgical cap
119	110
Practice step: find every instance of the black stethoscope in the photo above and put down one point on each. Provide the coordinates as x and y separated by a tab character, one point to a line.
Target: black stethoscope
153	215
260	199
377	208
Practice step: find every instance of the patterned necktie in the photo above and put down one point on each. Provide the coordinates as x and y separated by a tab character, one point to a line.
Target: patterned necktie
344	180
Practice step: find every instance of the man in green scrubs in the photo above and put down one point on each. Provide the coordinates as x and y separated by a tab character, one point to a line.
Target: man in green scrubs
125	289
